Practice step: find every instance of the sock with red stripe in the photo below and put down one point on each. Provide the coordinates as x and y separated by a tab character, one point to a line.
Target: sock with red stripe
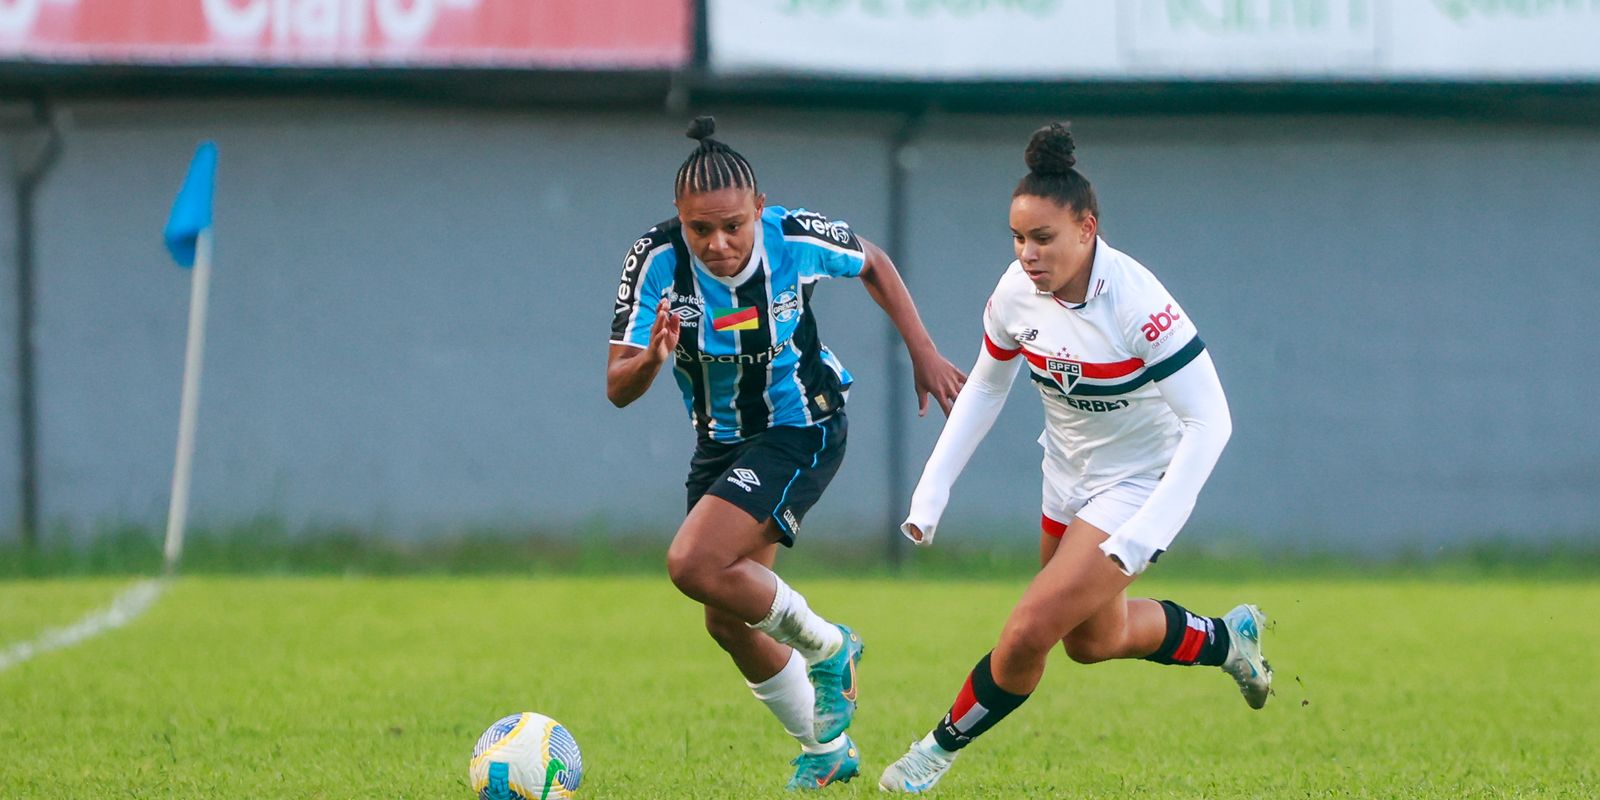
980	705
1191	639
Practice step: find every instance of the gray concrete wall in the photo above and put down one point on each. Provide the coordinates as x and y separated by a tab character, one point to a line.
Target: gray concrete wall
410	311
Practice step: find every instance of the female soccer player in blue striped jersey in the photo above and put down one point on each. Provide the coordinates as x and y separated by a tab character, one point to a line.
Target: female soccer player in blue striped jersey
1135	419
722	292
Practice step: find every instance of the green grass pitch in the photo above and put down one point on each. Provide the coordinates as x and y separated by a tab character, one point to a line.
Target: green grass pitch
377	687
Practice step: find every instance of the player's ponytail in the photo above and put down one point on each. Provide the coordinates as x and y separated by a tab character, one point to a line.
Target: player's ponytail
713	165
1052	173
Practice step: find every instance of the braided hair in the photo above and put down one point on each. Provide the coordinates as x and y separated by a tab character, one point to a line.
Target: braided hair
1050	171
713	165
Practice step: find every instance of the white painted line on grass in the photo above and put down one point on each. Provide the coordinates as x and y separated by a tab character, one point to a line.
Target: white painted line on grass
127	607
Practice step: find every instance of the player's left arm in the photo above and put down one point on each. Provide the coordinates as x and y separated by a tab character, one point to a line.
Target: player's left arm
1186	377
933	373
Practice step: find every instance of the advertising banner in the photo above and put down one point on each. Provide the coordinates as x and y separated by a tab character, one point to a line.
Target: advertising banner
1160	39
478	33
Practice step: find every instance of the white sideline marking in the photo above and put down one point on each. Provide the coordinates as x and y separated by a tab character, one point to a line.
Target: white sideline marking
125	608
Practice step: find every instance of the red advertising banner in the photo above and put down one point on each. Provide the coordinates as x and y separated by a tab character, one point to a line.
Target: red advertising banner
355	33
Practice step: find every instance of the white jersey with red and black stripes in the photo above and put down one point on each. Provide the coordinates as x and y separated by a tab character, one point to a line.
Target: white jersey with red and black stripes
1095	365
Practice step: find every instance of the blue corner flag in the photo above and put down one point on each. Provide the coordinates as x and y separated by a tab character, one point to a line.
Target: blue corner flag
191	212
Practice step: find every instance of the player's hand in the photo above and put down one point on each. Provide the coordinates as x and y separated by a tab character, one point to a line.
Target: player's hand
664	333
936	376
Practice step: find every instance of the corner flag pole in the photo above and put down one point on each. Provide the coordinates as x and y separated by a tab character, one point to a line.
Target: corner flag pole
189	238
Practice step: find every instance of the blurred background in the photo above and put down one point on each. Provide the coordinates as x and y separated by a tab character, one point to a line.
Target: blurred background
1382	215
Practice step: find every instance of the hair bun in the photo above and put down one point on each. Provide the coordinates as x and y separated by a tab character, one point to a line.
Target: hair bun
1050	150
702	128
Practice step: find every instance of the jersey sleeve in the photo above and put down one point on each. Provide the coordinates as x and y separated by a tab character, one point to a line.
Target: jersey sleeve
997	340
821	248
646	275
1158	331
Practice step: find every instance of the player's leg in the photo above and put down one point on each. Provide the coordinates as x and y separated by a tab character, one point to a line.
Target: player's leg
720	557
1162	631
771	481
757	655
710	559
808	458
1078	580
776	675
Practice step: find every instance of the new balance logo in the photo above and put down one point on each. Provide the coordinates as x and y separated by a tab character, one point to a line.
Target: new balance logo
744	479
1160	323
1028	334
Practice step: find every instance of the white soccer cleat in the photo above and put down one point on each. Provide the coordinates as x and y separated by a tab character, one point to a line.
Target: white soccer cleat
916	771
1244	662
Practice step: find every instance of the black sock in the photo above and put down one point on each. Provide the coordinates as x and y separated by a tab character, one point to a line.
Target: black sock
1191	639
978	707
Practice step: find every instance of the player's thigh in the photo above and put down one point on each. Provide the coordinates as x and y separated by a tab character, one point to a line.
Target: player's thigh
1105	624
718	533
1104	629
1078	582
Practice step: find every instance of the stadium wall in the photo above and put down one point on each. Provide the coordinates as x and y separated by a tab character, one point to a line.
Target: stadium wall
410	309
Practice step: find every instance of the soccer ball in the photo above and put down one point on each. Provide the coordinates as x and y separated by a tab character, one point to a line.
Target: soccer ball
525	756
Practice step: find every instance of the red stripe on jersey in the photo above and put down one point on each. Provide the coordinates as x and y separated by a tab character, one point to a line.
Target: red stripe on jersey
964	701
1052	527
999	353
1193	639
1115	369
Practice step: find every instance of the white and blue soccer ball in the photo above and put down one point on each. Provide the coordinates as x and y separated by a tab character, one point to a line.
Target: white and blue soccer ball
526	756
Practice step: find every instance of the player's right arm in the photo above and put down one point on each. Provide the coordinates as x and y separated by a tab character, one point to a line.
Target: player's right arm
629	369
976	408
644	331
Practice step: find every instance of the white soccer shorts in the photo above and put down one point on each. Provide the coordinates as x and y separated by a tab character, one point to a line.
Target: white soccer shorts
1107	510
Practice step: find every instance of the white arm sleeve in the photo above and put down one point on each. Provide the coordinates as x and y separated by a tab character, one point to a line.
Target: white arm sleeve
1195	395
974	413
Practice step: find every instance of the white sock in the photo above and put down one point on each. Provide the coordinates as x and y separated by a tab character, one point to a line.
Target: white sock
931	746
793	623
790	698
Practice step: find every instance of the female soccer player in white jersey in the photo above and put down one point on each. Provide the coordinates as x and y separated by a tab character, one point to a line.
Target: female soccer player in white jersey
722	292
1135	419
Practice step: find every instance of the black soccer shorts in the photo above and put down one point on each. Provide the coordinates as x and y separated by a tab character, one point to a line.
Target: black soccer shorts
778	473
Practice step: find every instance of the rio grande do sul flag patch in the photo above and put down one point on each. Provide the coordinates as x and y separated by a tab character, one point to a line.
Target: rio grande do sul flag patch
743	318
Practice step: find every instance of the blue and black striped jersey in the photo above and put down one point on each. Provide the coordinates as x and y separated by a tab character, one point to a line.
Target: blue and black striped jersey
749	357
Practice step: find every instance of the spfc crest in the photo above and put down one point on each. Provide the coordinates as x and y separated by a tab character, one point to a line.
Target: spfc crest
1065	372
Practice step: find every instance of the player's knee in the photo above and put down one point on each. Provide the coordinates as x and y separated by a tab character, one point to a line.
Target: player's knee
1029	637
687	570
1090	650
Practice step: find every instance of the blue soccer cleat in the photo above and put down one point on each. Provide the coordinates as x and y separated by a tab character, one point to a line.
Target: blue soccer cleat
1245	663
816	770
835	682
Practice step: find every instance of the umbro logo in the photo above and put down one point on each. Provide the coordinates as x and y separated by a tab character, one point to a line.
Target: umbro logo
744	479
688	315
